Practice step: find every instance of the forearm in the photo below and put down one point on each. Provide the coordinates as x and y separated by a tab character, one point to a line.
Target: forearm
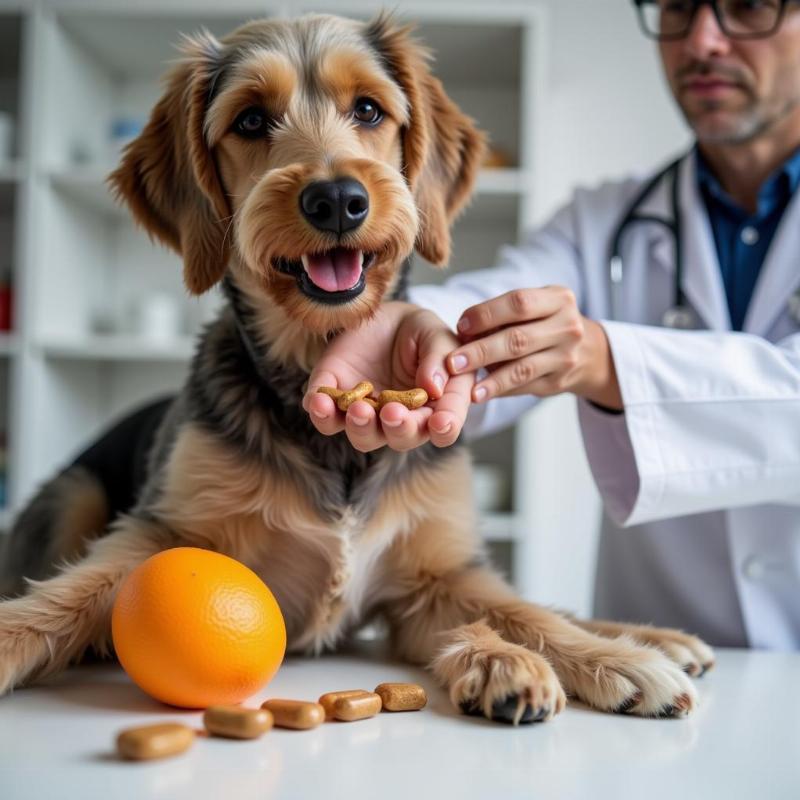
709	423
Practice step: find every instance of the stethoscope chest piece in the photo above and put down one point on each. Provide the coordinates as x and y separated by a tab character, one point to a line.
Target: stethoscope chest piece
679	318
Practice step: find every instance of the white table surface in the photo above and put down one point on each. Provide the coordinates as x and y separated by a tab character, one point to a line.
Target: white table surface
57	742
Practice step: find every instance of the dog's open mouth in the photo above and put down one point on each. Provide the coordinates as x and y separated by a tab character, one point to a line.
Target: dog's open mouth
333	276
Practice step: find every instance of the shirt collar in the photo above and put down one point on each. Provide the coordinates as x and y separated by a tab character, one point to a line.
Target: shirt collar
778	187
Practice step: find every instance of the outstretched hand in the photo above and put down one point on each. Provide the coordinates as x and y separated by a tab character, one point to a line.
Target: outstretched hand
402	347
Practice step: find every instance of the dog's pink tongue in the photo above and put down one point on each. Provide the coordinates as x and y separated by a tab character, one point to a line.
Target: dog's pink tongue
335	271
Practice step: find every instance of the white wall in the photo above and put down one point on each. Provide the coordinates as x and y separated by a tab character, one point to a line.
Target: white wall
607	113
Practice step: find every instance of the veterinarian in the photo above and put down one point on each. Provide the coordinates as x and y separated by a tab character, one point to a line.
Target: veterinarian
689	380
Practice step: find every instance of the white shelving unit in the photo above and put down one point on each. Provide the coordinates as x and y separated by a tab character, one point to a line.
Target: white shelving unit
69	68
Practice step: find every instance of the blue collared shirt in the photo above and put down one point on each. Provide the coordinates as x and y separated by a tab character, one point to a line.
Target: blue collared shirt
743	239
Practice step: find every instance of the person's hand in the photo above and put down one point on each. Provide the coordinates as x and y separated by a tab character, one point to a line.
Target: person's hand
536	341
402	347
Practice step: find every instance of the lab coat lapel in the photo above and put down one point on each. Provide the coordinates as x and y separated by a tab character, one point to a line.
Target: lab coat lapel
780	273
702	280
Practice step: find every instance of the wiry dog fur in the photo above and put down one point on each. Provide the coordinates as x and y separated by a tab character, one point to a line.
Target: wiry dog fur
234	465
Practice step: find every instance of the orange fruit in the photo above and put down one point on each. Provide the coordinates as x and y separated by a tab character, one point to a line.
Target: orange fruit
194	628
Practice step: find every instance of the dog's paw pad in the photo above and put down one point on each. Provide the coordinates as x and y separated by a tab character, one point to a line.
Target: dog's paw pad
511	710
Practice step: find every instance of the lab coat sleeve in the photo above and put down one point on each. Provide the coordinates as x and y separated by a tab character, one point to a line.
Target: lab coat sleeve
547	256
711	421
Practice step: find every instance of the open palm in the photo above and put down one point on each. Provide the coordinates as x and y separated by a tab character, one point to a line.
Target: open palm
400	348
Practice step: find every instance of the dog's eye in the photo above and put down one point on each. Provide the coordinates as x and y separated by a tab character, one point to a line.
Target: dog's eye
252	123
367	111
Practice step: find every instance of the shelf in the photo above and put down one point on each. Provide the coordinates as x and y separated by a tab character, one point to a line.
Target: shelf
11	171
497	526
119	348
9	344
87	186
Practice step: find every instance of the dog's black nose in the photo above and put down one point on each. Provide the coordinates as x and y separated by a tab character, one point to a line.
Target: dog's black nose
338	206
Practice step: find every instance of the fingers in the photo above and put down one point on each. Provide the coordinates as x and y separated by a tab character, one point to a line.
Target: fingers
404	429
321	408
363	428
520	305
536	374
504	345
431	374
396	427
451	410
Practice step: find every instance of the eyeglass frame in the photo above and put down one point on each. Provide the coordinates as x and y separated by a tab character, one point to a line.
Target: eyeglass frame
697	5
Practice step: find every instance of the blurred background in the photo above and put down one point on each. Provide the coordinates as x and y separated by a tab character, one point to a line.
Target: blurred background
94	318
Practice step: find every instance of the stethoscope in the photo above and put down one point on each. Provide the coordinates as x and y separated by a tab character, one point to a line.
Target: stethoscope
679	315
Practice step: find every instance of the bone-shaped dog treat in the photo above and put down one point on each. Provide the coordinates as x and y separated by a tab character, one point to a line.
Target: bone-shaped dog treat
410	398
344	399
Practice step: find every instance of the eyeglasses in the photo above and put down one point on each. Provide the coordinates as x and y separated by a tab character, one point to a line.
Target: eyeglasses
668	20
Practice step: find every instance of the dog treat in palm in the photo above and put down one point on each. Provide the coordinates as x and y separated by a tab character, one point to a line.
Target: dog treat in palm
154	741
295	714
358	392
344	399
328	699
410	398
235	722
401	696
360	706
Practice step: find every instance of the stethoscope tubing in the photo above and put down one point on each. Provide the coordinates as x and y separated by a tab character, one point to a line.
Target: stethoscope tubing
679	315
674	226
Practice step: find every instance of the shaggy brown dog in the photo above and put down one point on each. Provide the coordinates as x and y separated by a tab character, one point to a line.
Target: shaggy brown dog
300	163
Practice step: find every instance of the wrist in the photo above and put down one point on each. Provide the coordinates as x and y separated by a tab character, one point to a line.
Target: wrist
600	384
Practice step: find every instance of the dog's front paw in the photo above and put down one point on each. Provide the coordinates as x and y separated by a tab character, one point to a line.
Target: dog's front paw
502	681
689	652
633	679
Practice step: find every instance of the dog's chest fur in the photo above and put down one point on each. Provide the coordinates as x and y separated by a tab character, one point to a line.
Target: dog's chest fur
249	475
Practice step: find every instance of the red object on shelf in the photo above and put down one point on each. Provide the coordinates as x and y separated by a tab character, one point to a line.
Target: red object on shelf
6	304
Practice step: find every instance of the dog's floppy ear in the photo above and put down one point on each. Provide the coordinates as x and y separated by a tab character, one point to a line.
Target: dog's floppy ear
168	176
442	148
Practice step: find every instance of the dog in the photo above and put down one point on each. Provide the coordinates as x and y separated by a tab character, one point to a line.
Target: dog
298	164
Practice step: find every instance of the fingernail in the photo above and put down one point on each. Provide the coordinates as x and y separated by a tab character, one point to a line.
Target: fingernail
438	381
358	420
463	325
319	414
480	394
459	362
391	423
445	429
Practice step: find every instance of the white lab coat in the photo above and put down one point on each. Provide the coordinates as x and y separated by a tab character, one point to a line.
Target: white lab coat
700	476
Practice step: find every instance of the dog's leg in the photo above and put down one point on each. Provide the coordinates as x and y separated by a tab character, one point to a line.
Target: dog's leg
487	675
51	625
484	665
691	653
437	615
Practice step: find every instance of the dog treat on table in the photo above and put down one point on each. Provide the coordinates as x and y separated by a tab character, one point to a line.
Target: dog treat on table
401	696
296	714
410	398
235	722
353	707
154	741
328	699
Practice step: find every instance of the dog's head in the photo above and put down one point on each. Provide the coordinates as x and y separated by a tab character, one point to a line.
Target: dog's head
307	157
